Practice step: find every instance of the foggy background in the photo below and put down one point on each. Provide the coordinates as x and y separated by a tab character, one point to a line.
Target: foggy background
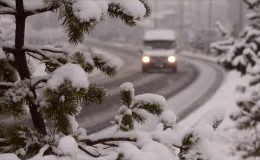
193	20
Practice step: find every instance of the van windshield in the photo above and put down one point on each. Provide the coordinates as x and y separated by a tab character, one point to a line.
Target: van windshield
160	44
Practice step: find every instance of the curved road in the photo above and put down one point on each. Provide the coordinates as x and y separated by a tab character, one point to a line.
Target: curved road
195	81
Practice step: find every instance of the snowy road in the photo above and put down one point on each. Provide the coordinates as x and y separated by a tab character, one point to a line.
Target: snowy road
194	83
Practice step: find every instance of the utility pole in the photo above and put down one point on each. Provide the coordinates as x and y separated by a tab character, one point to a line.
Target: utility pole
181	26
210	15
240	26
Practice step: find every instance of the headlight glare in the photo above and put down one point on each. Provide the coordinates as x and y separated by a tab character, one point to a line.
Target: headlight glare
171	59
146	59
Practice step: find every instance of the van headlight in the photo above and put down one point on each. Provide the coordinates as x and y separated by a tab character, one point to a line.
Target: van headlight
146	59
171	59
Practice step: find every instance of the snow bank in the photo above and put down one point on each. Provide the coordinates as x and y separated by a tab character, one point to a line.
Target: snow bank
224	97
220	106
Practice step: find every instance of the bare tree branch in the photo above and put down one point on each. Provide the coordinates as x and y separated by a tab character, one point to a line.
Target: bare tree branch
33	56
54	50
34	51
41	53
104	140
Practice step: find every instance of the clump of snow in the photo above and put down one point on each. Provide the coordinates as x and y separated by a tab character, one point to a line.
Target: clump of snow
71	72
81	133
122	109
128	112
73	123
168	136
134	7
127	86
168	117
2	55
68	146
103	5
18	93
151	150
8	156
62	98
87	10
150	99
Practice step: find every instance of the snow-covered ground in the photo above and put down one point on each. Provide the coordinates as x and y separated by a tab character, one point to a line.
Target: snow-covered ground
224	100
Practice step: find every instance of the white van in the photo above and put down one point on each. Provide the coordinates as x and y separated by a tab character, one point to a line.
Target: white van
159	50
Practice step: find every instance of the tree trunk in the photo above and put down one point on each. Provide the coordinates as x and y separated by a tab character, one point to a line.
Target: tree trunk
21	63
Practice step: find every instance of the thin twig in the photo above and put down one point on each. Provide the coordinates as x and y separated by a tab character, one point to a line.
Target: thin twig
40	10
84	150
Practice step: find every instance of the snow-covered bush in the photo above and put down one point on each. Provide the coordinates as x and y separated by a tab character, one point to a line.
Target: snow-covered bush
52	100
243	54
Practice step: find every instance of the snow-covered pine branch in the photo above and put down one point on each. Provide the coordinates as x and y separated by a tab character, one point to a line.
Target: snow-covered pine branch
243	55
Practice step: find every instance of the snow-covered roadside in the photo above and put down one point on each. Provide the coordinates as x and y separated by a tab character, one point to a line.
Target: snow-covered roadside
223	103
224	99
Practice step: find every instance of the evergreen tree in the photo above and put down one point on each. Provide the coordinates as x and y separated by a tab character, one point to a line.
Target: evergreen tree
243	55
57	97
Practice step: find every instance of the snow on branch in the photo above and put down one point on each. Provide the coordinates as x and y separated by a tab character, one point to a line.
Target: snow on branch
46	52
90	142
7	3
221	29
40	10
39	79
